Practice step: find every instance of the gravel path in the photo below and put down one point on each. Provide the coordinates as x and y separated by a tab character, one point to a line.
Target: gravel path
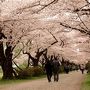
71	81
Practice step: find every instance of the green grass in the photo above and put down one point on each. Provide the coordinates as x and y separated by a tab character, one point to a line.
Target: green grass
86	83
3	82
1	75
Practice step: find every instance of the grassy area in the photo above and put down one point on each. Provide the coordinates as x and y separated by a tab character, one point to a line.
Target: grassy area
86	83
20	80
1	75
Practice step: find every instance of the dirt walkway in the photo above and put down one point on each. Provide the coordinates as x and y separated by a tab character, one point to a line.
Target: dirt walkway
71	81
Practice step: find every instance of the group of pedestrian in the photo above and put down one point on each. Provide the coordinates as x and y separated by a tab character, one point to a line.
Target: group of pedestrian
52	66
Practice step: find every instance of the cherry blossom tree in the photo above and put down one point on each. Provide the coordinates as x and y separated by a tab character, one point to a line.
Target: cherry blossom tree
41	21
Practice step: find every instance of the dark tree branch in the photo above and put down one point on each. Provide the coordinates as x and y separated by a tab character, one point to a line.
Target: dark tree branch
28	53
62	43
20	10
44	6
87	1
16	65
68	26
54	38
82	22
17	54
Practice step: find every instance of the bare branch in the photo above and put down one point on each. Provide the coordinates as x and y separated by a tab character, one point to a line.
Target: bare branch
62	43
87	1
81	30
53	36
20	10
16	65
44	6
82	22
17	54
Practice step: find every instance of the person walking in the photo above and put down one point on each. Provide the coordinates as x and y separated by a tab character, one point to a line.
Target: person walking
66	67
48	69
82	68
56	67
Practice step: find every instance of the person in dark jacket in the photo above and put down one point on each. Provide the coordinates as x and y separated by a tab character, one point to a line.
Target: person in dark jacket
66	67
56	67
48	68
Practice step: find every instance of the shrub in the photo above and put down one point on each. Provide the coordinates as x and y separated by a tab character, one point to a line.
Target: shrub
30	72
88	67
38	71
61	70
23	74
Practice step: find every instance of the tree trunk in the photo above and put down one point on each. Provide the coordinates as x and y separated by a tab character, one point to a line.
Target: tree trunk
35	62
7	70
2	57
6	62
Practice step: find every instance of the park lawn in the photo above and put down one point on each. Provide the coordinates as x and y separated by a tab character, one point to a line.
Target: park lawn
1	75
86	83
3	82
